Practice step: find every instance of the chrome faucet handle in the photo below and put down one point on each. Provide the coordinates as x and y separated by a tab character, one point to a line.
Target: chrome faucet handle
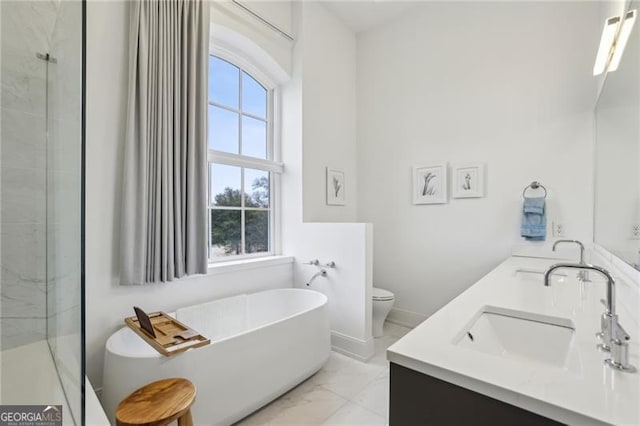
600	334
620	357
612	330
619	333
314	262
606	326
331	264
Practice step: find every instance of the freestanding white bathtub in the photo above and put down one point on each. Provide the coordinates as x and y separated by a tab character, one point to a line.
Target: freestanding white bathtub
262	345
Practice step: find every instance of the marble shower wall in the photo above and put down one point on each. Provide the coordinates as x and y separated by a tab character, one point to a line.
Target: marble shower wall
27	28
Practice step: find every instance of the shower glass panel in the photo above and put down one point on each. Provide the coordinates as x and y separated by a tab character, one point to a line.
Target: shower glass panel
41	233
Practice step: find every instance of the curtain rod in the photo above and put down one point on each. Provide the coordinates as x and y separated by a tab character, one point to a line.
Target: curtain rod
264	21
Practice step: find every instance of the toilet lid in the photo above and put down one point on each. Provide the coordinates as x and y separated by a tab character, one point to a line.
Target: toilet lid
381	294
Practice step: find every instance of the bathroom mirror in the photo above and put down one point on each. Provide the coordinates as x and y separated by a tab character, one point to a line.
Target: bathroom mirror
617	153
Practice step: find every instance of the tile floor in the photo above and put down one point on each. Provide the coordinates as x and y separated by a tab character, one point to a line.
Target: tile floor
343	392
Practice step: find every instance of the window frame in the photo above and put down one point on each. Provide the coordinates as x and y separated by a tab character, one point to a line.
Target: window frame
272	165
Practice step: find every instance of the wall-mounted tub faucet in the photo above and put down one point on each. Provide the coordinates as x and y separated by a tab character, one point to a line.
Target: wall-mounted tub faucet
320	273
614	338
316	262
583	275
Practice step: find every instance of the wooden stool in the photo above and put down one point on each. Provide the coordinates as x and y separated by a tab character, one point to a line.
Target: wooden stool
158	404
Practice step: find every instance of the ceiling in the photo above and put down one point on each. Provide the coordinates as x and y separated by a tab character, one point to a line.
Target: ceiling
362	15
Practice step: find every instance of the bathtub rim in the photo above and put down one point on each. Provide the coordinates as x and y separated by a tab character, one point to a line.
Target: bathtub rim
109	345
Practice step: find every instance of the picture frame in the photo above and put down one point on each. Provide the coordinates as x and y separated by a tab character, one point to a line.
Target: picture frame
468	180
335	187
430	184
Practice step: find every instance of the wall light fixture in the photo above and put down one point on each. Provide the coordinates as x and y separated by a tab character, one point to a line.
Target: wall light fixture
623	38
614	38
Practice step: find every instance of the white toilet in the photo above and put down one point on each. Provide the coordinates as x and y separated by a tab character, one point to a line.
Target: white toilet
382	304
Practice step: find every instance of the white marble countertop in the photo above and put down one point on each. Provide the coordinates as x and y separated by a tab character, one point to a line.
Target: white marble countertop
584	392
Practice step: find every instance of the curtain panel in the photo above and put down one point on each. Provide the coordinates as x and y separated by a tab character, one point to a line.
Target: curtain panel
164	220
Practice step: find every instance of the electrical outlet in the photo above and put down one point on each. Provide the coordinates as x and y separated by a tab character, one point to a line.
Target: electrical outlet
635	232
558	229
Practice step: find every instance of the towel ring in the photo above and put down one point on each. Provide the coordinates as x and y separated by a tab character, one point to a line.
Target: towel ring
534	185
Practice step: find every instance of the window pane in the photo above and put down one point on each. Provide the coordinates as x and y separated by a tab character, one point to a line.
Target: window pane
256	231
225	233
256	188
223	130
224	82
224	185
254	97
254	137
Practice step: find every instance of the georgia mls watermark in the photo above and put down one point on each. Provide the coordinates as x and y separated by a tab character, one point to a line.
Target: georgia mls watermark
30	415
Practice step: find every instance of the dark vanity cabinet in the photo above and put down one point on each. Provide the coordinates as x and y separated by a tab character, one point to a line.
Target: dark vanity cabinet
419	399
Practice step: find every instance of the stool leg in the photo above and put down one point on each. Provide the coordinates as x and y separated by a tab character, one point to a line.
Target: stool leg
186	419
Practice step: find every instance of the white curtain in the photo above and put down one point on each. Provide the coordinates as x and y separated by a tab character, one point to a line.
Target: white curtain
164	220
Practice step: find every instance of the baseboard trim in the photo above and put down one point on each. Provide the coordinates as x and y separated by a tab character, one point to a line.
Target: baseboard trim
405	318
362	350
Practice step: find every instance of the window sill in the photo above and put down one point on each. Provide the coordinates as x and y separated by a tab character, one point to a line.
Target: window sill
246	264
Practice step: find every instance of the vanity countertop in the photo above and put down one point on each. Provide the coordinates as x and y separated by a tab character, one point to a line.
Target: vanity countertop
585	391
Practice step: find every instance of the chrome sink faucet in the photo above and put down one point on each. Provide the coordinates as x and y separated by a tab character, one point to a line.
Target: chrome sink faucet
583	275
614	338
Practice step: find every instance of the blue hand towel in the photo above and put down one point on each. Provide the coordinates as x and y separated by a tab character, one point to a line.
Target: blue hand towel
534	219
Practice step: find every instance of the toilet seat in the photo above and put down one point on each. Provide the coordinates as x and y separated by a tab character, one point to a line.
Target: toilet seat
381	294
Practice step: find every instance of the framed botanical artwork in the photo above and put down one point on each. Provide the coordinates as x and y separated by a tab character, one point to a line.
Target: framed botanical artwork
430	184
468	181
335	187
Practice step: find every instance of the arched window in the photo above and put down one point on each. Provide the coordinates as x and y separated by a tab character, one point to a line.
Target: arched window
241	162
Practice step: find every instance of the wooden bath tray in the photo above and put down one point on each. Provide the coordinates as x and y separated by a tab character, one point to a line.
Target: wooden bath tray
172	337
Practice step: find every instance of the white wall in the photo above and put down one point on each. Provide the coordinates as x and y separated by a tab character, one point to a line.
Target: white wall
328	51
505	84
279	13
107	302
307	94
347	286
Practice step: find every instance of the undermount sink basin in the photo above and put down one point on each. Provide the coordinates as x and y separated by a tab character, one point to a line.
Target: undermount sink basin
519	335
